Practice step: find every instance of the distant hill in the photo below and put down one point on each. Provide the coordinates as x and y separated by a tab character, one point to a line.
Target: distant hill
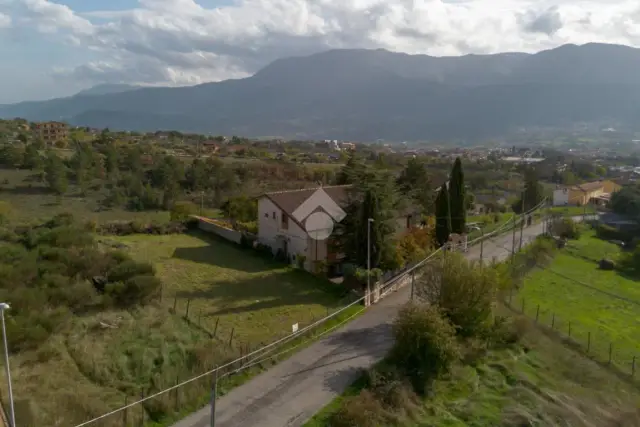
371	94
106	89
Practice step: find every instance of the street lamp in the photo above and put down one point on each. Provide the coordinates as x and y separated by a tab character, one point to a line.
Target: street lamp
475	227
369	221
4	306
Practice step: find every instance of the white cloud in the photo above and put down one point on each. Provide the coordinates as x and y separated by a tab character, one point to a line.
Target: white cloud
180	42
5	21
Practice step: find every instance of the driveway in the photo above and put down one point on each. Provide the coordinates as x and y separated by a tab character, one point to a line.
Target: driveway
293	391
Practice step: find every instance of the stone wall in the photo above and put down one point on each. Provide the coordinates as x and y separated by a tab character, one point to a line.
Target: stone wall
224	232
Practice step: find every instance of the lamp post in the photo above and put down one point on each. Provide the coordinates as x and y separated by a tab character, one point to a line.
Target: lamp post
369	221
4	306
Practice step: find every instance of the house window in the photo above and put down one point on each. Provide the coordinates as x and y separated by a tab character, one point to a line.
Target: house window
408	222
266	214
284	222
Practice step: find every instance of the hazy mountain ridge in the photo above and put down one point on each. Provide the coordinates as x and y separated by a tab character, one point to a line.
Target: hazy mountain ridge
370	94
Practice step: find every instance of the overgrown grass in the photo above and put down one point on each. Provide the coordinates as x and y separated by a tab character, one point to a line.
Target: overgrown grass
603	313
98	361
537	382
32	202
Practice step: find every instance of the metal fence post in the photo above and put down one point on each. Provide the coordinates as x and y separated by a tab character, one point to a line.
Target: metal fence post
231	337
124	412
633	367
177	396
569	328
588	342
186	315
553	321
142	408
610	351
537	313
522	309
215	328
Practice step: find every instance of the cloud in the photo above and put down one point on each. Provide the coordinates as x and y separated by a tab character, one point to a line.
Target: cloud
546	22
181	42
5	21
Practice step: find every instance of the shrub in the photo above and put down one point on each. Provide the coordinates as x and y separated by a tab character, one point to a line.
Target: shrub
181	211
425	344
363	410
607	232
566	228
464	292
607	264
136	290
129	269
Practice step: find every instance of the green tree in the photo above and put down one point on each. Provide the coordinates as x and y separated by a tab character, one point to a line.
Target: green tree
56	174
32	158
533	193
414	182
443	216
457	199
351	171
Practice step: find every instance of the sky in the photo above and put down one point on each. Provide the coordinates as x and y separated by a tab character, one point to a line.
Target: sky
56	48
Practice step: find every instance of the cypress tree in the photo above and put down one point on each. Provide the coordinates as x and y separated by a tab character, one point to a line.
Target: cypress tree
443	219
458	208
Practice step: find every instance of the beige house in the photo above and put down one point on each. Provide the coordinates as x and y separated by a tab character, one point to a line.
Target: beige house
51	132
597	192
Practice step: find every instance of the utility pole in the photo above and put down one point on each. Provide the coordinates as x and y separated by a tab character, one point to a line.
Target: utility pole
4	306
522	223
513	243
214	392
201	202
368	299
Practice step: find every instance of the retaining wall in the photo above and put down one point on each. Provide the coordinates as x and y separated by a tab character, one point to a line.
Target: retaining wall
224	232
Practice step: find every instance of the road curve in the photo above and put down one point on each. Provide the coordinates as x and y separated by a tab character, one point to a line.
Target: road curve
293	391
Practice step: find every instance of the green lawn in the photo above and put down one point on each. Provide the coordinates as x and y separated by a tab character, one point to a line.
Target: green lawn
562	299
236	290
541	383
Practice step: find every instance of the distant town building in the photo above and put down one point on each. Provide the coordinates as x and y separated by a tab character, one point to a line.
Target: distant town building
51	132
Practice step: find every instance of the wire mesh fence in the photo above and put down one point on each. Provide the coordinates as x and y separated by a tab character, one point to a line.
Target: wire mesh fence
595	343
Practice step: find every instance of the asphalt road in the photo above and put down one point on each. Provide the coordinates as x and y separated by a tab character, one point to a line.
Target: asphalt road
293	391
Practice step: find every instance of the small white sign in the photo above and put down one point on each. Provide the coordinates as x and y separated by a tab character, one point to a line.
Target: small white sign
294	328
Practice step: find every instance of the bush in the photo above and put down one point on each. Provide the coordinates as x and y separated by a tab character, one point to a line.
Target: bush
129	269
181	211
465	292
566	228
363	410
607	264
136	290
607	232
425	344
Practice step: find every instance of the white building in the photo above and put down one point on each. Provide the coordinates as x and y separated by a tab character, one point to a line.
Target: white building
278	228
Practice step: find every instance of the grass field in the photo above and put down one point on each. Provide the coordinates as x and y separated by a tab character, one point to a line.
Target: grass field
102	358
232	288
560	293
540	383
32	202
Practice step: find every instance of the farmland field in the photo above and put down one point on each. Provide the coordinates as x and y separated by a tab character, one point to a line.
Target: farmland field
602	306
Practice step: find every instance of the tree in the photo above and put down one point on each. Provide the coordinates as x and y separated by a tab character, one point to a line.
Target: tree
56	174
457	200
627	201
414	182
443	217
533	193
32	158
351	171
372	197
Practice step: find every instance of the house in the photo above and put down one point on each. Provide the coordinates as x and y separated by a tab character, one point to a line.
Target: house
280	228
597	192
51	132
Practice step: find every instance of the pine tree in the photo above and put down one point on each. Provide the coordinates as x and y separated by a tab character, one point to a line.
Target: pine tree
457	200
443	224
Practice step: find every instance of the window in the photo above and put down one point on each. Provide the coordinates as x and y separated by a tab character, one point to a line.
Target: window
266	214
274	215
284	222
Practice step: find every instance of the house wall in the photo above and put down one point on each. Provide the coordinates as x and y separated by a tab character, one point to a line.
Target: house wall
611	187
561	197
271	233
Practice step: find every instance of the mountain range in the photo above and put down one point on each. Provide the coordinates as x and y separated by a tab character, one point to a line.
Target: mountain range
376	94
